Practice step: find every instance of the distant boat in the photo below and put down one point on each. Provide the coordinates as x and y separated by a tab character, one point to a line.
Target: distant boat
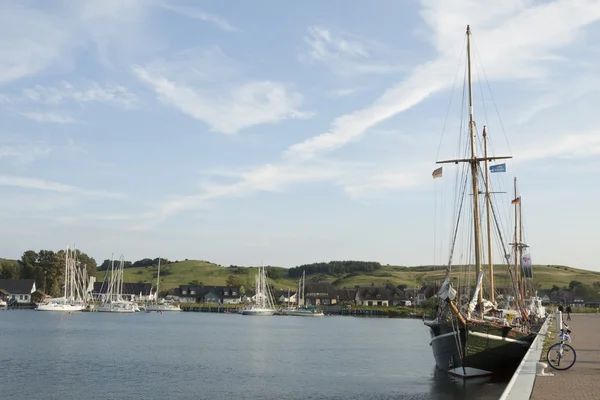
77	287
263	298
301	310
113	300
156	306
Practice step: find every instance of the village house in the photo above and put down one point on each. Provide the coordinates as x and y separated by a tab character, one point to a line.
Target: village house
382	295
319	293
284	296
208	294
131	291
21	291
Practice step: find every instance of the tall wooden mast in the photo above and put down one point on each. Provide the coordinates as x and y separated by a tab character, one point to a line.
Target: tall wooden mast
516	242
473	160
488	212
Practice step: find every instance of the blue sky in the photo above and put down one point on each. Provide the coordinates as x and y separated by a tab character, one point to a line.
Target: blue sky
286	133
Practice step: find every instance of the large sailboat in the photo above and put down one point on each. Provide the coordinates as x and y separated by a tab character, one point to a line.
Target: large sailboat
160	307
77	287
471	335
264	302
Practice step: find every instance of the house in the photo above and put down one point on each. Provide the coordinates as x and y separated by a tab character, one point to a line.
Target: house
19	290
383	295
319	293
131	291
248	296
208	294
284	296
346	296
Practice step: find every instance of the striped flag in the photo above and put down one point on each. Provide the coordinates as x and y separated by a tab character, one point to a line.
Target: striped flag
437	173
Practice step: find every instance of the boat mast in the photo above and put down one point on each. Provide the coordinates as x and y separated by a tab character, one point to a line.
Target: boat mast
474	171
488	207
521	246
516	244
157	280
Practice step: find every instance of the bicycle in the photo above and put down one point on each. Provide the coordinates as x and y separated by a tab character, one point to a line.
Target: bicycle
561	351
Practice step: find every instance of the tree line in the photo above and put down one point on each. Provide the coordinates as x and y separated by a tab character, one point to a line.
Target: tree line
47	267
334	267
144	262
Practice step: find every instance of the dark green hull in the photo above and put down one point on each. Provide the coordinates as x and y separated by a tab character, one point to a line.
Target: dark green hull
480	345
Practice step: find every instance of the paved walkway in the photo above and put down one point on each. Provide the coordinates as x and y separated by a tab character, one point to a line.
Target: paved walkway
582	381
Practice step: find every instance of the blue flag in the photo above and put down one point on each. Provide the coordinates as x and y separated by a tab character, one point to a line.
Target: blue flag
498	168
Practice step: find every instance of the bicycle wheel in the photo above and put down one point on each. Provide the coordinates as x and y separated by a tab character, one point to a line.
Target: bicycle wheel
562	361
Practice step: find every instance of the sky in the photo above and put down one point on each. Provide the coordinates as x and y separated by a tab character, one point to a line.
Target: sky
284	133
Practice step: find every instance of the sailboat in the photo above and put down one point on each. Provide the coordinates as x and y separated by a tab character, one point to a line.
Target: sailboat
476	338
522	258
77	287
301	310
160	307
265	305
113	299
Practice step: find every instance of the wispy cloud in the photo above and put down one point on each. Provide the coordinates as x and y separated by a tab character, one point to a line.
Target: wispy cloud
44	185
343	92
23	152
226	107
343	53
49	117
90	92
195	13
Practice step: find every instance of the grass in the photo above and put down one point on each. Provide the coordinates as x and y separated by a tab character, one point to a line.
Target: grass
208	273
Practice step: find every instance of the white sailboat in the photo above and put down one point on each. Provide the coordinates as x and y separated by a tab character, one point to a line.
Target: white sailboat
160	307
113	299
301	310
263	298
77	287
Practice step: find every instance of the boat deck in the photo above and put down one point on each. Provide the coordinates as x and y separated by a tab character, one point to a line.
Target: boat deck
581	382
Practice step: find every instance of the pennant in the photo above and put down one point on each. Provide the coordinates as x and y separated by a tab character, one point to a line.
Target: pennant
437	173
498	168
516	201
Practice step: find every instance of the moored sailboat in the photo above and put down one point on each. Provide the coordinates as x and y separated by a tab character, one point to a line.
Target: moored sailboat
264	304
160	307
477	338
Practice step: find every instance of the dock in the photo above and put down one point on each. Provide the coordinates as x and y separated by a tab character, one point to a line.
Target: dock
582	381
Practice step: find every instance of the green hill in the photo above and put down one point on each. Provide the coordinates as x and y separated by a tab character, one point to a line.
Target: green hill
183	272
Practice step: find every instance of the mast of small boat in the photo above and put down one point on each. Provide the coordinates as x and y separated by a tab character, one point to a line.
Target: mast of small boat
521	246
488	215
474	172
157	280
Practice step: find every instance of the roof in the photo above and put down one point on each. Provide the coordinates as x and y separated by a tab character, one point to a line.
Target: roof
128	288
346	294
17	286
320	290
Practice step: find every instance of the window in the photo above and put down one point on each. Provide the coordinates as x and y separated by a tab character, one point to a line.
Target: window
234	293
226	293
184	291
192	292
20	297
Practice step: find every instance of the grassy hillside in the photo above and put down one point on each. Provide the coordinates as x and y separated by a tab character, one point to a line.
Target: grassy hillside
212	274
183	272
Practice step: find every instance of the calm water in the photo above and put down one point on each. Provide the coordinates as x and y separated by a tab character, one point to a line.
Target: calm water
213	356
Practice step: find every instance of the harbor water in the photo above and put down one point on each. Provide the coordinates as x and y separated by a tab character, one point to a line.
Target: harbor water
79	356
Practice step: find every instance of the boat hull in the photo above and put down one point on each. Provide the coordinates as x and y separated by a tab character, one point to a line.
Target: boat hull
161	308
259	311
302	313
60	307
488	347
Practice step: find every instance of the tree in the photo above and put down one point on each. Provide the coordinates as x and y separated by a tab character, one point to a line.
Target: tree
195	282
242	290
554	289
9	270
574	284
233	281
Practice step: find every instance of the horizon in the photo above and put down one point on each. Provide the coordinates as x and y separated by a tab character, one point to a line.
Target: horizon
272	133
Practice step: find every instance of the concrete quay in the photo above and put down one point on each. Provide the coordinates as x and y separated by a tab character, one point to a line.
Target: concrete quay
582	381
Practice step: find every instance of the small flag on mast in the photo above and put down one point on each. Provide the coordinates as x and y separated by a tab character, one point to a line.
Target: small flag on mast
498	168
516	201
437	173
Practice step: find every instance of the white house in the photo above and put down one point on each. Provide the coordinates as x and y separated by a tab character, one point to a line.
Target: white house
17	289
